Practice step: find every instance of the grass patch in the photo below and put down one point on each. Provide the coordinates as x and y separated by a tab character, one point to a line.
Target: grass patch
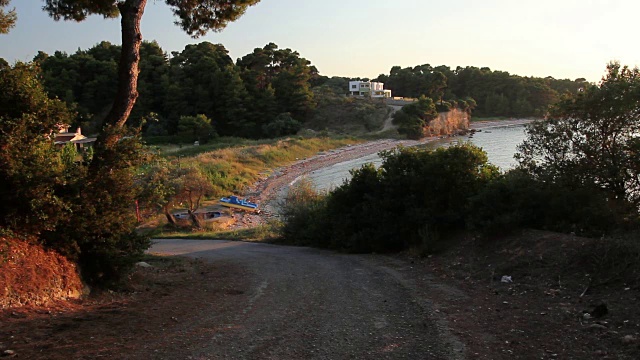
231	170
187	150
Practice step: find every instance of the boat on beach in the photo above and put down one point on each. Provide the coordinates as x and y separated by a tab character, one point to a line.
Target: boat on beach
237	203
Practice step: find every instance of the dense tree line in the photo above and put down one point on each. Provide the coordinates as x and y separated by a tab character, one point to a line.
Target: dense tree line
265	93
497	93
268	92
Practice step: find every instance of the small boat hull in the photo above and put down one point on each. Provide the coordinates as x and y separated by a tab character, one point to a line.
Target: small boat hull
236	203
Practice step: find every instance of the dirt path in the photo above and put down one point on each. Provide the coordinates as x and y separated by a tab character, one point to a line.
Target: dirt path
304	303
232	300
388	123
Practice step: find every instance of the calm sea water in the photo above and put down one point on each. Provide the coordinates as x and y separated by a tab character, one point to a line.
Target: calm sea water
499	142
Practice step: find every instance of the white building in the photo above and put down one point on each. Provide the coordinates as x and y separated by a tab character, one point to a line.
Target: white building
368	88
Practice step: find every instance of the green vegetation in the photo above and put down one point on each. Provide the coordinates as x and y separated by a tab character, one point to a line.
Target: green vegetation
83	209
417	198
592	139
265	94
341	114
414	118
489	118
30	167
230	170
7	19
274	92
497	93
262	233
583	161
46	190
578	172
187	182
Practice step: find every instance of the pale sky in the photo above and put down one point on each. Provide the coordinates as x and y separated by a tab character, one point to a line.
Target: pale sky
364	38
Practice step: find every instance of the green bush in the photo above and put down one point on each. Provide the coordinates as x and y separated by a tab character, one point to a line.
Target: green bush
417	198
196	128
282	125
413	118
444	106
303	209
517	200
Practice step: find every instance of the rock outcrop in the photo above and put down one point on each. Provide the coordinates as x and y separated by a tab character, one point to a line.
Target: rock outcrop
448	123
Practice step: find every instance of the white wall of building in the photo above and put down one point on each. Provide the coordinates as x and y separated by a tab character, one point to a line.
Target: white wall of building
374	89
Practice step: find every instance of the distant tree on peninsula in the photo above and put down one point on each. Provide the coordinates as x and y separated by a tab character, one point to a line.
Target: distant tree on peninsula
7	18
413	118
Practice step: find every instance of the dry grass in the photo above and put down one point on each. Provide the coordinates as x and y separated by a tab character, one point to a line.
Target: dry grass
231	170
30	275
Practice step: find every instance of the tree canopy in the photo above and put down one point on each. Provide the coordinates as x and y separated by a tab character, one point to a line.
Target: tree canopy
194	16
592	138
7	18
241	99
497	93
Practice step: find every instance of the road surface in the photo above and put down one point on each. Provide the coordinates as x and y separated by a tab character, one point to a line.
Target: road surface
303	303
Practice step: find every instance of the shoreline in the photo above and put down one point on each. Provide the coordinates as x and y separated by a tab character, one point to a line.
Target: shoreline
267	191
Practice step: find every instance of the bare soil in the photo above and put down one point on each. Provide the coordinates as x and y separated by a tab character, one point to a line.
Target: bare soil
558	305
240	301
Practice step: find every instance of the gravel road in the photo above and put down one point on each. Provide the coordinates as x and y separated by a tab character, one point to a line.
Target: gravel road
303	303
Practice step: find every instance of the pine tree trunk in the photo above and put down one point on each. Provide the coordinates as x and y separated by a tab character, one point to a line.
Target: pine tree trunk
128	70
131	12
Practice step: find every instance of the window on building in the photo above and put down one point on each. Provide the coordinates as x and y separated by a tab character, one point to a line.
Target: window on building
354	86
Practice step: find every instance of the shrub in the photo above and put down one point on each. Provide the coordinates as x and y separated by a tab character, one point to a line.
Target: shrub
417	198
413	118
443	106
303	209
196	128
516	200
282	125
